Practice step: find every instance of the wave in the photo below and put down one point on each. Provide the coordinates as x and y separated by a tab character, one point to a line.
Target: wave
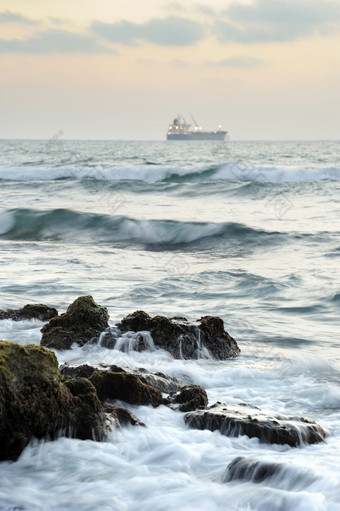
232	171
68	225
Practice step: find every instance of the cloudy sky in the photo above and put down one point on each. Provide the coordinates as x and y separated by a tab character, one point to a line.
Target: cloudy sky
122	69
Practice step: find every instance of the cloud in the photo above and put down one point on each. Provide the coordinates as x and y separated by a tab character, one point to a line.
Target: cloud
278	20
53	41
170	31
204	9
15	17
238	62
60	21
178	63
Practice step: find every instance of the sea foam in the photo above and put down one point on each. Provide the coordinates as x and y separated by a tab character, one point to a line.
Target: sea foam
230	171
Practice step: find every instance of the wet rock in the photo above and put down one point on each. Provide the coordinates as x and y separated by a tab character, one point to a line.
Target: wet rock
190	397
35	401
216	339
119	416
82	371
83	321
182	339
30	311
235	420
250	469
87	411
125	387
159	381
276	475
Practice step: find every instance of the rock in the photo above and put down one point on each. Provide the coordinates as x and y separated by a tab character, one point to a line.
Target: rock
36	402
190	397
250	469
30	311
183	339
242	419
82	371
276	475
83	321
159	381
120	416
87	411
216	339
125	387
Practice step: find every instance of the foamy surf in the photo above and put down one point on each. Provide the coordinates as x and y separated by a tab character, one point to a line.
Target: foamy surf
231	171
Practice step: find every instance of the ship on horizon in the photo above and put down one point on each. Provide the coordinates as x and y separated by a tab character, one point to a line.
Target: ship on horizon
180	130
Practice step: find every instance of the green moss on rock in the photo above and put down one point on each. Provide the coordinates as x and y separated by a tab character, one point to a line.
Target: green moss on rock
83	321
35	401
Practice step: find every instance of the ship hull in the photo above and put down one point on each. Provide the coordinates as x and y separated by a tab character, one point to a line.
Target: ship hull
218	135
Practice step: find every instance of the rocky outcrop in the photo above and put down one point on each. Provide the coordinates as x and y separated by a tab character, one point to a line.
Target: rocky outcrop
275	475
71	371
181	338
30	311
35	401
235	420
125	387
118	417
83	321
250	469
159	381
190	397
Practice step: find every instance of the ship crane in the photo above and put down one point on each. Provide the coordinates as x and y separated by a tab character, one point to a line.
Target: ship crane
198	128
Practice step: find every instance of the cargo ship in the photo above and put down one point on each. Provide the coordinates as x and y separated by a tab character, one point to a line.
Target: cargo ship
181	130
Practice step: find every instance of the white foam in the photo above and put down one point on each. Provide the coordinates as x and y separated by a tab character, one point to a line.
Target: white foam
149	173
237	171
158	232
232	171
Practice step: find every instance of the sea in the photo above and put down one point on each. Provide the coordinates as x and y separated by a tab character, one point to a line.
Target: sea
248	231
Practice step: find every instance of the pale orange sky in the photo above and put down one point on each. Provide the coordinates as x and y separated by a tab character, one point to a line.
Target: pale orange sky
264	69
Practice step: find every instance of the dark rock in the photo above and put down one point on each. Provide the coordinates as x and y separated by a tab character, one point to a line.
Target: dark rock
82	371
30	311
190	397
250	469
235	420
216	339
83	321
36	402
86	409
183	339
136	322
125	387
122	417
276	475
159	381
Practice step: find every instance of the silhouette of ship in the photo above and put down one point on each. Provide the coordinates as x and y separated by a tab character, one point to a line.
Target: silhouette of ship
180	130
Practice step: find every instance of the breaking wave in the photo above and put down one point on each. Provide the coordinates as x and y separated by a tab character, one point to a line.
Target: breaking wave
232	171
69	225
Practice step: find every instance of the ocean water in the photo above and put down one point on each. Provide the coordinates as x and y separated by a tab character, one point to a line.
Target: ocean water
248	231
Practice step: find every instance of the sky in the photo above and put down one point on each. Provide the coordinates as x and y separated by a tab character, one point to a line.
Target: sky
114	69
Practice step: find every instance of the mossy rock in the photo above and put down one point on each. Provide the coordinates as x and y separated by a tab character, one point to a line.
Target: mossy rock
30	311
184	339
190	397
83	321
36	402
125	387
